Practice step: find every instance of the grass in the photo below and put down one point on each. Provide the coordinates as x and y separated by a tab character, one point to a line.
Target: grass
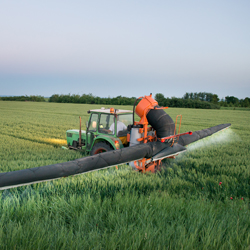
182	207
236	108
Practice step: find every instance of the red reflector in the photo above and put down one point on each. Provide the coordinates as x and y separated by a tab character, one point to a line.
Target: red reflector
190	132
116	142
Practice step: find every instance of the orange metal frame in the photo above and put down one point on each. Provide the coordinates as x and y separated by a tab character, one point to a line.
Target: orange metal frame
144	106
176	136
179	129
150	167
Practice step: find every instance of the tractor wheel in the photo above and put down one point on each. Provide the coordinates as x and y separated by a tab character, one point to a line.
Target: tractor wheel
75	144
100	147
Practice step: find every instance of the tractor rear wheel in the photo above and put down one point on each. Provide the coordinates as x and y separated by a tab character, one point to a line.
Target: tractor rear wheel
100	147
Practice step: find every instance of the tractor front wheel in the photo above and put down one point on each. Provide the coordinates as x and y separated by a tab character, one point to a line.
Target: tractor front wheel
100	147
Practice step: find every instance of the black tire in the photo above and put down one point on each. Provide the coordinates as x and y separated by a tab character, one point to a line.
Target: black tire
100	147
75	144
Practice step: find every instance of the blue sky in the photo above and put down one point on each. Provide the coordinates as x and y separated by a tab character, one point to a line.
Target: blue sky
130	48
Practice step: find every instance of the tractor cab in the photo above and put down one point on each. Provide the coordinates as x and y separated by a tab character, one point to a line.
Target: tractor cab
106	130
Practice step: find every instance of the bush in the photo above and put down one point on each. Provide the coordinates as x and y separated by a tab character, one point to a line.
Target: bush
90	99
22	98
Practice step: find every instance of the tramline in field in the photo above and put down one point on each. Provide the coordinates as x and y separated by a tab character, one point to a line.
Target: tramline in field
113	137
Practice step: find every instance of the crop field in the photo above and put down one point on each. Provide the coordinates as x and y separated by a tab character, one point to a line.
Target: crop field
200	200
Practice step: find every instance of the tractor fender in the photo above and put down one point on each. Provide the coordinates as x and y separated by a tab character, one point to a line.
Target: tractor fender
112	141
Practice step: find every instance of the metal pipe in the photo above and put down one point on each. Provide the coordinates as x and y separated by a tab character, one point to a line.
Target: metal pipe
80	133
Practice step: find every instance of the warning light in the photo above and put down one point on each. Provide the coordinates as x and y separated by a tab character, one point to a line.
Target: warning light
190	132
117	145
112	110
162	140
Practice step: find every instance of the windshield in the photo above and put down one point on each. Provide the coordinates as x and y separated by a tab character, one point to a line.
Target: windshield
127	119
107	124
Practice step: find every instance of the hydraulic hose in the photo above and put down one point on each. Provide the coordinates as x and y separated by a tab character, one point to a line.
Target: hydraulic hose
134	109
161	122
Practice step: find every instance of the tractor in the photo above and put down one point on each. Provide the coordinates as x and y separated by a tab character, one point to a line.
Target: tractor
106	130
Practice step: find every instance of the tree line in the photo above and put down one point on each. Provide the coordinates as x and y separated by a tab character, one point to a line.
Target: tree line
228	101
90	99
31	98
184	103
121	100
201	100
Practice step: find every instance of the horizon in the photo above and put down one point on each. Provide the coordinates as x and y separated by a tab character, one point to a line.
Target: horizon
220	99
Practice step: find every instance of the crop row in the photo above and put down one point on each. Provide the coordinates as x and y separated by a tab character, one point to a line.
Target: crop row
200	199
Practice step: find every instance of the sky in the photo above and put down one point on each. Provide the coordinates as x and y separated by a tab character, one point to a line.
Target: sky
128	48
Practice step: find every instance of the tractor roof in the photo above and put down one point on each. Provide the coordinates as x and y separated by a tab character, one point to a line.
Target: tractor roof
116	111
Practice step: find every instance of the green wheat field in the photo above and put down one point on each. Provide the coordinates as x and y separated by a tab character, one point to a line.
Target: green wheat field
199	201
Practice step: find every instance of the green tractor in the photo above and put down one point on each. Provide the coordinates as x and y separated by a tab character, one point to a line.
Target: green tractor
106	130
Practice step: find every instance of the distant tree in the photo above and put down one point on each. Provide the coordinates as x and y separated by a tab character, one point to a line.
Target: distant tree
159	97
196	96
246	102
202	96
232	99
186	96
215	99
208	97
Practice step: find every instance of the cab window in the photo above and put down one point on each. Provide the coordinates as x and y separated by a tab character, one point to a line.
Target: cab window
126	119
107	122
93	122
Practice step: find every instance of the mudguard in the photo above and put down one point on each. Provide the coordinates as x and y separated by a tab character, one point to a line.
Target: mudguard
111	140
